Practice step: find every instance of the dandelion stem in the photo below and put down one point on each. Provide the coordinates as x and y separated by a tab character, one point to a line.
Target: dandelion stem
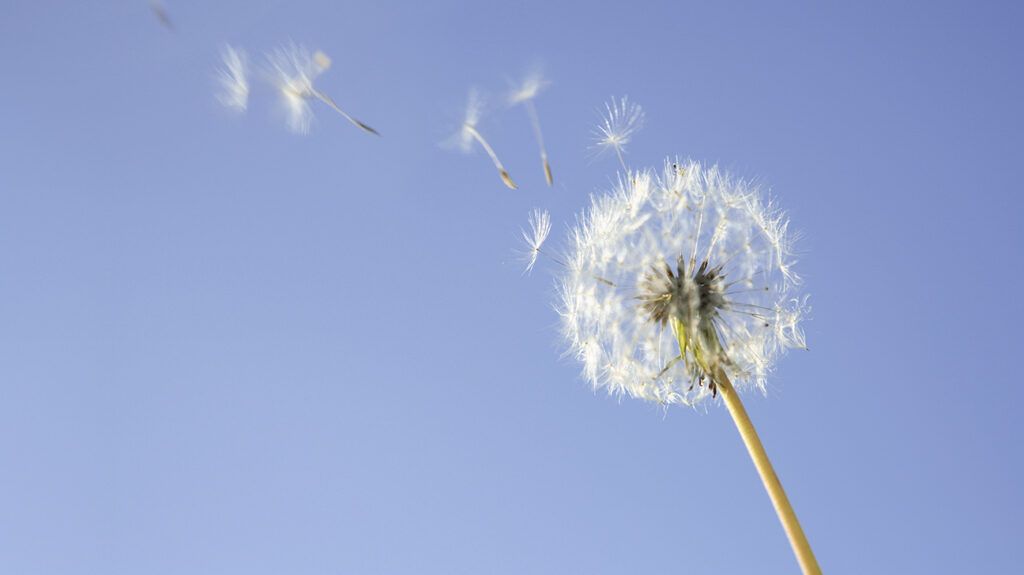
797	539
490	152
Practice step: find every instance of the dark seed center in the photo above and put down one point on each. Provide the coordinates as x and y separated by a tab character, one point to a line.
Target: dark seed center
691	296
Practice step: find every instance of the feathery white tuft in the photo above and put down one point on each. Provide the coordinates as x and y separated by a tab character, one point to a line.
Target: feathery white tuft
464	138
233	80
292	70
624	244
540	227
531	86
621	121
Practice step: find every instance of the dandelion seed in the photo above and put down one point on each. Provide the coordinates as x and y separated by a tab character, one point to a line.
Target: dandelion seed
232	79
292	71
540	227
160	11
621	121
468	134
525	94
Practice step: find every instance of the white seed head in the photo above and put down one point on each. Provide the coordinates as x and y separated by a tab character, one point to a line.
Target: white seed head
530	87
691	250
540	227
621	121
292	70
232	79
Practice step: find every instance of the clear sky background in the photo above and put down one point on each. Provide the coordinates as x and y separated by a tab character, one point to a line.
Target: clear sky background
225	348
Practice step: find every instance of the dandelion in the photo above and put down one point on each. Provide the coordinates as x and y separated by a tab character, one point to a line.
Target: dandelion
622	119
467	134
232	79
293	71
540	227
694	251
525	94
678	288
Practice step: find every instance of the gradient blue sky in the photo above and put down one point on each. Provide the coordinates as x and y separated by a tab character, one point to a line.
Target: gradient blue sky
225	348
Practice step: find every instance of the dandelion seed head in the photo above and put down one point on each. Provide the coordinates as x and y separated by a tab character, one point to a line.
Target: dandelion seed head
620	122
232	79
540	226
689	250
292	70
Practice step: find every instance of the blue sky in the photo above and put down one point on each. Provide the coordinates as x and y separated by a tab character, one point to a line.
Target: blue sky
225	348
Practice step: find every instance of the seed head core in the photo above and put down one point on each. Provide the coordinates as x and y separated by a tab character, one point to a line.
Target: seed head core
691	298
691	303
